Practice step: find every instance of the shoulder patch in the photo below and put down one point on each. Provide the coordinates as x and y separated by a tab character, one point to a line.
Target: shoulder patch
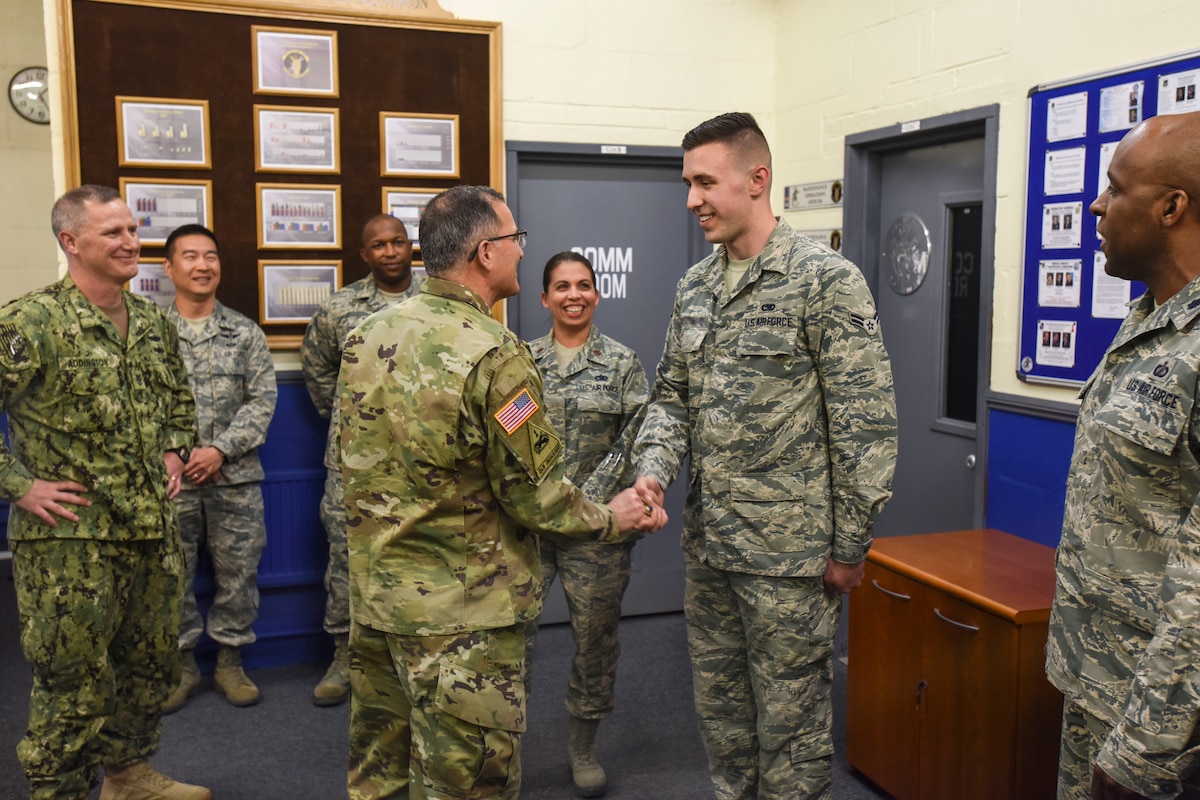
546	447
516	411
868	324
10	340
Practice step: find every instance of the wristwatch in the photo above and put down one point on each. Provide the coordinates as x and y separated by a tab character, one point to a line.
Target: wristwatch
183	453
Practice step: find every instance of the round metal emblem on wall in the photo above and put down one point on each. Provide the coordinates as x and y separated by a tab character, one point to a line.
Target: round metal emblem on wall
906	254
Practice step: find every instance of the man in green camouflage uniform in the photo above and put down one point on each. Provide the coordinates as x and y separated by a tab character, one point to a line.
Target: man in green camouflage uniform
1124	643
99	410
387	251
448	458
775	380
233	381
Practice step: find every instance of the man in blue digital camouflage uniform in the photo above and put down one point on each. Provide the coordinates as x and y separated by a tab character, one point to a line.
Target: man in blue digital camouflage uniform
221	505
775	380
1124	641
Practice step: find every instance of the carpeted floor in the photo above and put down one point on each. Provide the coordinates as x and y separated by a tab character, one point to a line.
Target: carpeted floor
287	749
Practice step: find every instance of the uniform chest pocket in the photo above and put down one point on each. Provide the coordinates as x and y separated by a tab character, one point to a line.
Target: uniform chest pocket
1153	423
767	342
92	398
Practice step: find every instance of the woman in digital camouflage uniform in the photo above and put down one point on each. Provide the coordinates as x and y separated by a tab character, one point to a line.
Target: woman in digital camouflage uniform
596	391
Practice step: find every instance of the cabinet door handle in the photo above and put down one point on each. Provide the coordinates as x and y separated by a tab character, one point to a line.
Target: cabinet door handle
889	592
955	622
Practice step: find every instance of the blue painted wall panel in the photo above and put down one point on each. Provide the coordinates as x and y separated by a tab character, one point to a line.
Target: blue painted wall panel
1028	460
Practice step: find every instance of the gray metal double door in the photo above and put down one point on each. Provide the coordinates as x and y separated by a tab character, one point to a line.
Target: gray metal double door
626	212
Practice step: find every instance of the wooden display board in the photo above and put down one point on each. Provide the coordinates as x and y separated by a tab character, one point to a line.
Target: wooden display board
193	54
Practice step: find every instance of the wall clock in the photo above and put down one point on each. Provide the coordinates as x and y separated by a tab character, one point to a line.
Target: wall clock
27	91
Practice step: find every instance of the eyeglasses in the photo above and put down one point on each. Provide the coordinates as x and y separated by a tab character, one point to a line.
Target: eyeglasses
520	237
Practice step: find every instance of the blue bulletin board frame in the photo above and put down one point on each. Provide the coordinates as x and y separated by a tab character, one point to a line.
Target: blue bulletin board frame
1090	335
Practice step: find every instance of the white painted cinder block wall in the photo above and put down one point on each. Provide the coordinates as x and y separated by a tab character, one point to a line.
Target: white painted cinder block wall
641	72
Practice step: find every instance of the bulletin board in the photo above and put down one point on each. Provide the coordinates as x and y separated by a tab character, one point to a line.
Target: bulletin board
1070	308
362	86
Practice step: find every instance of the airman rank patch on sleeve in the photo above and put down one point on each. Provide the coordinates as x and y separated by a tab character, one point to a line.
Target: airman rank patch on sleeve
546	447
514	413
868	324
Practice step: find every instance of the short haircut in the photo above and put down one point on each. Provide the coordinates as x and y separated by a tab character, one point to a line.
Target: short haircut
562	258
453	225
737	129
377	218
69	213
189	230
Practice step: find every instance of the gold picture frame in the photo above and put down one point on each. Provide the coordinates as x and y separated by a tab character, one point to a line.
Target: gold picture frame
418	145
297	139
298	216
291	291
294	61
160	205
162	132
407	204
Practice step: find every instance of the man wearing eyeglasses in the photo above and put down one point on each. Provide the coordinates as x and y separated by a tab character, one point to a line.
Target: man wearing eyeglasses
451	467
388	252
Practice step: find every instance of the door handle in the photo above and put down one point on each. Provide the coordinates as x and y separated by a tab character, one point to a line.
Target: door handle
963	625
971	461
889	592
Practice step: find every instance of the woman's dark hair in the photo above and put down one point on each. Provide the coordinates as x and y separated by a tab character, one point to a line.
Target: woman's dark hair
560	258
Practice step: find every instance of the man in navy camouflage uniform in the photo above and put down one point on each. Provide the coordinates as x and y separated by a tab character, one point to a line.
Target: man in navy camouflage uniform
99	410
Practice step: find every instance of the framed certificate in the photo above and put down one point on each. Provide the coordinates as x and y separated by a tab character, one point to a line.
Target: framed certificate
162	132
152	283
407	205
419	145
292	291
295	216
161	205
296	61
295	139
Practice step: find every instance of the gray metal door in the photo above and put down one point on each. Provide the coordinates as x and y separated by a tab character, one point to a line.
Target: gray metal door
626	212
931	230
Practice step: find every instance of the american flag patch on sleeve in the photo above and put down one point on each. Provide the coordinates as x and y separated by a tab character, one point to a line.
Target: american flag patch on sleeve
516	411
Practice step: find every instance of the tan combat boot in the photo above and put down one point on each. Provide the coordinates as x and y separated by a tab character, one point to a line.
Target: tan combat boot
334	688
587	775
141	782
189	682
231	681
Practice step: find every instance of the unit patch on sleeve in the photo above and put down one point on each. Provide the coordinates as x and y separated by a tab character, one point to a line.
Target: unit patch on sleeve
514	413
546	448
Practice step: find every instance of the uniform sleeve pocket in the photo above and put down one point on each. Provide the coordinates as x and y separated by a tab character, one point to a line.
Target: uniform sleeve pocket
484	700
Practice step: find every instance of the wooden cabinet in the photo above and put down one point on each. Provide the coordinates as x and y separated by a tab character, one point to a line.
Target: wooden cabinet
947	694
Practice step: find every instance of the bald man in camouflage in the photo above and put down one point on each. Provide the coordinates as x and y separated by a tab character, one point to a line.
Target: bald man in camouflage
1124	643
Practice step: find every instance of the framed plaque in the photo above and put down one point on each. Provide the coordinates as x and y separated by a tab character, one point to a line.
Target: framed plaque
419	145
296	61
407	205
162	132
161	205
152	283
292	291
295	216
295	139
